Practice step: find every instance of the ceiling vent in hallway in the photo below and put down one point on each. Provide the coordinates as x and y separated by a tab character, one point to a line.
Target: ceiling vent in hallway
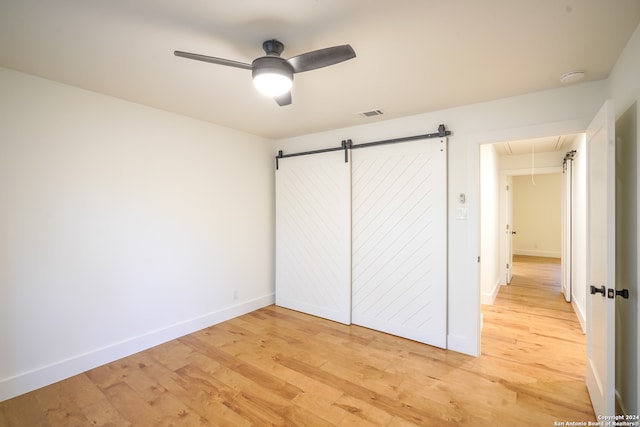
372	113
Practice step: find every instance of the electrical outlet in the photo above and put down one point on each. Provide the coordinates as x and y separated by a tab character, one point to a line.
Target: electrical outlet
462	213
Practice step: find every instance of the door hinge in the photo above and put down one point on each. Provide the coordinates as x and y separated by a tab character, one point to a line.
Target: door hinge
507	265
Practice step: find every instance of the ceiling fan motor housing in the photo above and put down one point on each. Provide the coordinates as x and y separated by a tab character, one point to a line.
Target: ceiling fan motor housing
271	65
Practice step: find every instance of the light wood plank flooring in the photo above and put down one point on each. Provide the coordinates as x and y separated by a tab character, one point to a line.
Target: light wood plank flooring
279	367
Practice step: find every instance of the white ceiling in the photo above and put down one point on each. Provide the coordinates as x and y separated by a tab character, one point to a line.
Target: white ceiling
535	145
412	56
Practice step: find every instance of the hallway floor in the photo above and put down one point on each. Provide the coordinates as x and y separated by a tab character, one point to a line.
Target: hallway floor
536	333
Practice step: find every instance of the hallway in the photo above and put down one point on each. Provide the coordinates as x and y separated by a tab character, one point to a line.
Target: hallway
535	333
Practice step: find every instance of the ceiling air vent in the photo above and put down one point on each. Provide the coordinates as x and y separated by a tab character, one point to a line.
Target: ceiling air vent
372	113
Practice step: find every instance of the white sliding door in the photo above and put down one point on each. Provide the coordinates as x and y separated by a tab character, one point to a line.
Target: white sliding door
313	235
399	239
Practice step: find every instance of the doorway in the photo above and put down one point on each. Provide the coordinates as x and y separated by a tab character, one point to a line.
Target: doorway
530	163
579	239
534	166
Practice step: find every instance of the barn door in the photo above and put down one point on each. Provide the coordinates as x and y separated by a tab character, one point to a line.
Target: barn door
567	229
509	229
313	229
399	245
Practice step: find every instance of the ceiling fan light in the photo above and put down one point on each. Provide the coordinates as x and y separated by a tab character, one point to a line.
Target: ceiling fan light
272	83
272	75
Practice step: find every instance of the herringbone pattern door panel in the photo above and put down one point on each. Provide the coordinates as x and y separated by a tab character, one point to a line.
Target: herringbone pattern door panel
399	245
313	246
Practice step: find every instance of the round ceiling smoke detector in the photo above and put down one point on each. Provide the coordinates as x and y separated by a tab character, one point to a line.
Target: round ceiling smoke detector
572	76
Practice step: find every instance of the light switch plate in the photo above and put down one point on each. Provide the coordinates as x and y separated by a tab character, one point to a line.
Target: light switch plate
462	213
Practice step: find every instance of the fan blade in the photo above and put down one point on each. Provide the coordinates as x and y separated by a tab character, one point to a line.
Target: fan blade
283	100
212	59
321	58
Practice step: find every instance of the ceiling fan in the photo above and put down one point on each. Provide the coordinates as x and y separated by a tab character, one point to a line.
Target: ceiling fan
273	75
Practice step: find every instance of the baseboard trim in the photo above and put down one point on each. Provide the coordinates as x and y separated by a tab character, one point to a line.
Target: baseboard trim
490	298
579	314
463	345
620	408
534	252
46	375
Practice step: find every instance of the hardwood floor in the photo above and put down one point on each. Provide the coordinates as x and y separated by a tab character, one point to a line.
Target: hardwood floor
279	367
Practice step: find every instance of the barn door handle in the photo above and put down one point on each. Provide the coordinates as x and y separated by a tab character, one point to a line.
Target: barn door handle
624	293
600	290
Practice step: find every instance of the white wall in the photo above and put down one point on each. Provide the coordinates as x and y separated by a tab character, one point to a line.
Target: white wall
623	84
490	231
121	227
537	215
566	110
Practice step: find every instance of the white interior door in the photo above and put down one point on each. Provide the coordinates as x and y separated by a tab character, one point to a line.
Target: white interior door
600	375
399	226
313	229
567	227
509	229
